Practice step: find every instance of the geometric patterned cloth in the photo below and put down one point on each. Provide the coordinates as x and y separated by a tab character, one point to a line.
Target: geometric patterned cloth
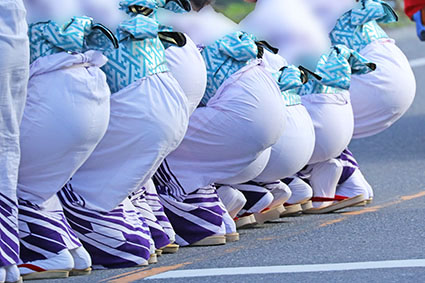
75	36
289	79
141	53
115	239
349	164
358	27
44	233
335	70
225	57
158	234
198	216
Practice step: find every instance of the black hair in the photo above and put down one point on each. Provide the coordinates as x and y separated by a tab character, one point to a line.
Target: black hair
199	4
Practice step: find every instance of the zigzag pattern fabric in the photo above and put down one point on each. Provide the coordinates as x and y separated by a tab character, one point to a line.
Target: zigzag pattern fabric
152	199
43	233
159	236
358	27
336	69
225	57
198	216
77	35
9	239
116	239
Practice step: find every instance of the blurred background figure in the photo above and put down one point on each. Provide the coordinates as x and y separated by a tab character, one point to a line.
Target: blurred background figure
415	9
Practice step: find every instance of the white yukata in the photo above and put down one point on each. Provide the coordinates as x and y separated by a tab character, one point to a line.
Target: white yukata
380	98
329	106
65	117
241	116
301	39
293	149
149	117
188	68
14	66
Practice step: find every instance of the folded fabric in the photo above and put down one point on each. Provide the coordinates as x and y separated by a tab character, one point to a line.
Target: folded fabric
358	27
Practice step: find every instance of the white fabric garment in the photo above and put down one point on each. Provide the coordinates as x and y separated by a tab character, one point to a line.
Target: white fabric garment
242	120
354	186
329	11
66	115
251	171
380	98
301	191
232	199
14	66
332	117
203	27
290	26
188	68
324	179
45	10
148	120
14	69
294	148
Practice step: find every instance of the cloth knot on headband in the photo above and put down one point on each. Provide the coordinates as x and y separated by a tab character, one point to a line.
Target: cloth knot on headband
335	70
80	34
239	46
138	28
290	77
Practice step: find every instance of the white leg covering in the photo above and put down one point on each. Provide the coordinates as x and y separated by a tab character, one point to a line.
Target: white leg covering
355	185
232	199
229	223
14	65
324	180
258	198
301	191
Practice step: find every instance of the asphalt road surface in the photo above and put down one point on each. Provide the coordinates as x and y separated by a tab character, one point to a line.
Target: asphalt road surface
384	242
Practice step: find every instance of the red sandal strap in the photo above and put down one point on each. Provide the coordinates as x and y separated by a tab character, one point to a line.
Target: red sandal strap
32	267
323	199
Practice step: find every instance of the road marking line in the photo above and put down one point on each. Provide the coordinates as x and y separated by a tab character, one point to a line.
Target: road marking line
418	195
419	62
330	222
215	272
146	273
